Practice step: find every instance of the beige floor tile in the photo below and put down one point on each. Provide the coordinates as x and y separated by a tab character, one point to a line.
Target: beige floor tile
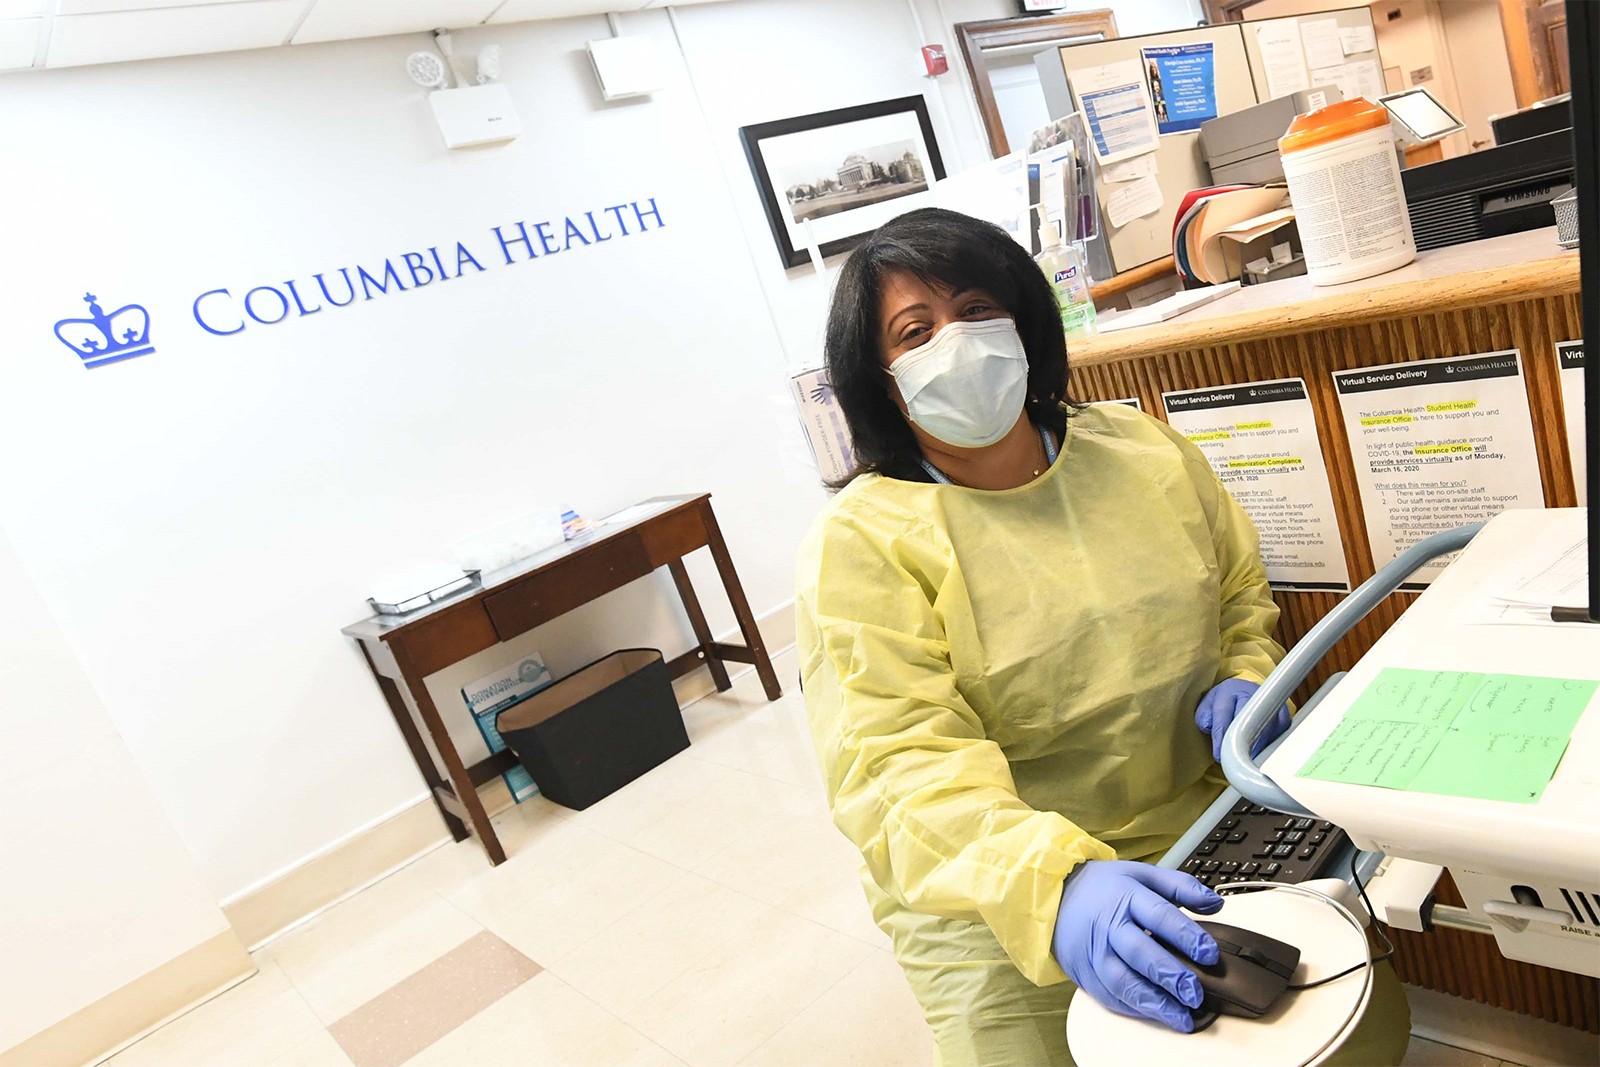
626	812
770	860
833	897
555	898
544	1022
625	964
693	830
1423	1053
320	1051
727	1004
869	1019
337	983
248	1026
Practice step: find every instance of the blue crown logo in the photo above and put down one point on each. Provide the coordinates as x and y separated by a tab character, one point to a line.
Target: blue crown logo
102	338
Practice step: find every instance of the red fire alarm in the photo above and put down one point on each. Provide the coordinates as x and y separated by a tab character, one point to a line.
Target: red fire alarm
933	59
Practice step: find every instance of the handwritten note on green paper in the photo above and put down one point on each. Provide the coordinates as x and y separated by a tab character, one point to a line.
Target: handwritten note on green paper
1492	736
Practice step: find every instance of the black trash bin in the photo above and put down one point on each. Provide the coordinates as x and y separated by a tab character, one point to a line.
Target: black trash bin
597	729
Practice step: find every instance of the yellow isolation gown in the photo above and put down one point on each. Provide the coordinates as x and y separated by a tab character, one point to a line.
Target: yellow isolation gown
1002	684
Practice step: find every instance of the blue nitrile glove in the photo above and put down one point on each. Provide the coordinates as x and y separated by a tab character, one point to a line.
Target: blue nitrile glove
1100	939
1219	707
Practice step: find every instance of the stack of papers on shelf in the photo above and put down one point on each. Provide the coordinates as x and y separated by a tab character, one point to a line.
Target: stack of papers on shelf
1162	310
1206	216
1547	586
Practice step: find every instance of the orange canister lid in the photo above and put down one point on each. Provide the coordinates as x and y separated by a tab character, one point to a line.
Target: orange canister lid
1331	123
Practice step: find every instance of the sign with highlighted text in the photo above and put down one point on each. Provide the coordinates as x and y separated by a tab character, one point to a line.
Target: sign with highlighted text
1261	439
1437	444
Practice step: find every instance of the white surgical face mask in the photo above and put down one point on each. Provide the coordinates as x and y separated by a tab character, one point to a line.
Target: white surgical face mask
966	386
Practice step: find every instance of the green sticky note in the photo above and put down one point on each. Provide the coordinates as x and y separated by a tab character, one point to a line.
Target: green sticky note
1373	752
1460	733
1491	766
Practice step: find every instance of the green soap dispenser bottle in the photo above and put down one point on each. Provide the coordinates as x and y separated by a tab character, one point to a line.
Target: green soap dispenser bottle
1066	268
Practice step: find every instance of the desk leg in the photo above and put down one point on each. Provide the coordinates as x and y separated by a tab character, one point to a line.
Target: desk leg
466	794
419	750
741	606
697	620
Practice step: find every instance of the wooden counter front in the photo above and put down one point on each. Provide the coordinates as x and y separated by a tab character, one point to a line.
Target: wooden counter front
1517	292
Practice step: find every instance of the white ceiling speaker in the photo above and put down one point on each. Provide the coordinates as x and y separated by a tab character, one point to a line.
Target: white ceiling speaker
426	69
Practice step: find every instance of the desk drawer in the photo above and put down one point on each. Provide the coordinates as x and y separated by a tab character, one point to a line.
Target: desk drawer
541	597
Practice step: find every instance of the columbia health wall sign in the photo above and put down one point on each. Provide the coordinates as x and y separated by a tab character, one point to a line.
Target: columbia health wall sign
100	337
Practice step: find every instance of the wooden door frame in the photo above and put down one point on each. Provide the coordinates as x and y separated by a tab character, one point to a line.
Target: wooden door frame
1221	11
976	37
1529	78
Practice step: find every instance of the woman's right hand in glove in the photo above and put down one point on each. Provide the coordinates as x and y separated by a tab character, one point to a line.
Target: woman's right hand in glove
1100	939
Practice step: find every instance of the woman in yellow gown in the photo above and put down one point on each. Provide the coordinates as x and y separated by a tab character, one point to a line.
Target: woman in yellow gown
1017	624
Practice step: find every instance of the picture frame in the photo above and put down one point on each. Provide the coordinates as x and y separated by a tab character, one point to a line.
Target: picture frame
843	173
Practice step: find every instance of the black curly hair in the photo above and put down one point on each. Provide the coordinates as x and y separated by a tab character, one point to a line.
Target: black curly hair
948	249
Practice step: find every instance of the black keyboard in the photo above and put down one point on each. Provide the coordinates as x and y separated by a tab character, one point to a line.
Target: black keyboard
1250	843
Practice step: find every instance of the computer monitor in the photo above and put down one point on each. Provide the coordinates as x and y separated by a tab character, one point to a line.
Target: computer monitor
1420	115
1583	45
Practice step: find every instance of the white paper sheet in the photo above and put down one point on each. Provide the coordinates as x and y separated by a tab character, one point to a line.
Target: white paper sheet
1261	439
1116	105
1279	42
1353	39
1133	200
1128	401
1359	77
1437	444
1129	169
1571	357
995	190
1321	40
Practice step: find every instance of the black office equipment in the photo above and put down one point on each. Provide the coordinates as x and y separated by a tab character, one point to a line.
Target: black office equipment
1532	121
1250	843
1490	193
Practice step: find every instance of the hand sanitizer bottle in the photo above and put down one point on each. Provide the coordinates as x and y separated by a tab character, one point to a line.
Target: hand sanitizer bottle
1066	268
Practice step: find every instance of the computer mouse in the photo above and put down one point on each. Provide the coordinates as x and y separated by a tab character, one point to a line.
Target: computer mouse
1252	971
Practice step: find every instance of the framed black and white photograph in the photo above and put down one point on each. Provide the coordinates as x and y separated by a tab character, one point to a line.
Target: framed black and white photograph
835	176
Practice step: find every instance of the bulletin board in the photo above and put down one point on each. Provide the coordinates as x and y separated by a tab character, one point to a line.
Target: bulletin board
1241	81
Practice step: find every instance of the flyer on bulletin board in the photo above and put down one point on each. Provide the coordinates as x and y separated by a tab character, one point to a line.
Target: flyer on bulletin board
1183	85
1116	107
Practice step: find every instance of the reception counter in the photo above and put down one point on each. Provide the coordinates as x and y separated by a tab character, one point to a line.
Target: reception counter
1520	292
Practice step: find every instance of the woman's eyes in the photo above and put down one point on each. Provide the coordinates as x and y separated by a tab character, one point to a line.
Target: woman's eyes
921	330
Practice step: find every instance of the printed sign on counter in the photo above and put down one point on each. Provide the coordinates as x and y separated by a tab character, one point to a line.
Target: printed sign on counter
1570	356
1128	401
1262	441
1437	444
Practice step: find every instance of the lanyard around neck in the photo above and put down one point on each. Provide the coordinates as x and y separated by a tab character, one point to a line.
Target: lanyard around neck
1045	436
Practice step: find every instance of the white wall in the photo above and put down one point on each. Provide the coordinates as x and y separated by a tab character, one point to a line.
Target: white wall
97	889
204	519
1477	43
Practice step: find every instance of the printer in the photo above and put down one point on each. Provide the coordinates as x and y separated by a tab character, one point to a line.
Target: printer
1242	148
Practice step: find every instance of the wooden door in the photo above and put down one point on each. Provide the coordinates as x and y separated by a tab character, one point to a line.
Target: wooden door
1536	41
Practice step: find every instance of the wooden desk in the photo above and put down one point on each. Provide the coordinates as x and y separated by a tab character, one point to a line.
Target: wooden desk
402	650
1518	291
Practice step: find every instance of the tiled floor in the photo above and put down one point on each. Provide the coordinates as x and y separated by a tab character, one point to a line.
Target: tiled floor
708	915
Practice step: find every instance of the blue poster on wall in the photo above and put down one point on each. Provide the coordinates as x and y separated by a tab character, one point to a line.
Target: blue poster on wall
1183	85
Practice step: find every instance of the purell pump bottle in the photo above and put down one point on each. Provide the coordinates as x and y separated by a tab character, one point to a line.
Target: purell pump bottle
1066	268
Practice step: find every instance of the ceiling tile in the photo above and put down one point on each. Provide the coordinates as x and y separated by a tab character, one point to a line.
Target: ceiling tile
337	20
18	37
20	9
95	7
530	10
76	40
